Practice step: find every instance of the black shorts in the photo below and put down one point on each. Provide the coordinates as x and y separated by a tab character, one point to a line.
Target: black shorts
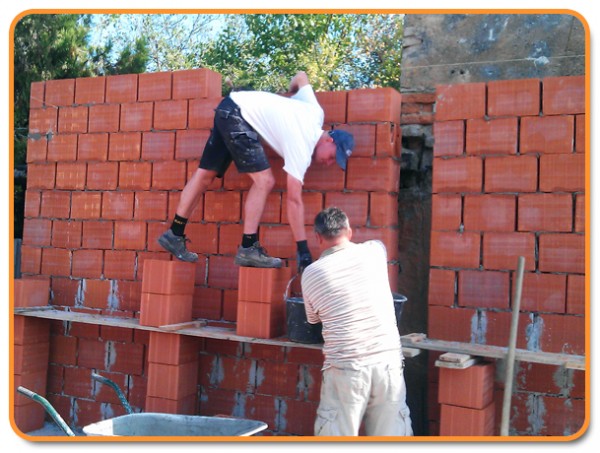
232	138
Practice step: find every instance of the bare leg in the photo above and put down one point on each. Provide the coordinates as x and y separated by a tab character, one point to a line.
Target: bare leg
193	190
263	183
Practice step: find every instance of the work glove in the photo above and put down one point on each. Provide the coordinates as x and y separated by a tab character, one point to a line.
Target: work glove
303	258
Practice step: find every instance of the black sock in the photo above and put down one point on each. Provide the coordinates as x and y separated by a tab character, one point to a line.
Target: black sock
178	225
248	240
302	246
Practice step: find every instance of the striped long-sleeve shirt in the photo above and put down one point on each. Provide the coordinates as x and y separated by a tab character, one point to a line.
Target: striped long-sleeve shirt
347	289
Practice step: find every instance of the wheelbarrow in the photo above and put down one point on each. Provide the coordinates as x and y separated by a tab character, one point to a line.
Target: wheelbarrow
153	423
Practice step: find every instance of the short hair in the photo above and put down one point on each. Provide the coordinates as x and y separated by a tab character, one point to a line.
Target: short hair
331	222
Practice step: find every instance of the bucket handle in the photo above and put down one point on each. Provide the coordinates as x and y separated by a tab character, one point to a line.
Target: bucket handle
287	288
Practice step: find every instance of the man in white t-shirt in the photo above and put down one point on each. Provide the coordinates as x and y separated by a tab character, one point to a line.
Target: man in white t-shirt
348	291
292	126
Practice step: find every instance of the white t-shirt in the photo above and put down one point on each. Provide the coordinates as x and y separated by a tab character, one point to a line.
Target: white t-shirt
292	126
347	289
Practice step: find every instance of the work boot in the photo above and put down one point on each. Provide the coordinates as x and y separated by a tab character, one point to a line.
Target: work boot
255	256
176	245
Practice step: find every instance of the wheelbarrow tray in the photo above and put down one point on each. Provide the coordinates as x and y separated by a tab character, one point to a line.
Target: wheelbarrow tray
159	424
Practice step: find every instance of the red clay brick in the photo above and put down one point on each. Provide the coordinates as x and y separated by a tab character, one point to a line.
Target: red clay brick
576	291
502	250
364	138
545	212
511	174
196	83
130	235
472	387
37	232
562	172
87	263
563	95
36	95
383	209
496	136
43	121
90	90
86	205
373	174
260	320
33	200
321	177
222	206
125	146
62	148
263	285
464	174
279	378
30	330
462	421
117	205
104	118
544	292
172	381
483	289
451	324
354	204
31	259
334	104
207	303
150	205
102	175
127	358
450	249
70	175
55	204
154	86
60	92
278	240
190	143
203	236
202	113
158	145
580	127
519	97
37	149
229	238
121	88
162	309
29	417
36	382
313	203
449	138
547	134
229	305
95	293
119	264
31	358
185	405
222	273
168	175
460	101
136	116
489	212
273	208
446	212
374	104
73	119
170	115
388	140
135	175
562	333
441	287
41	176
92	147
66	234
31	292
562	253
168	277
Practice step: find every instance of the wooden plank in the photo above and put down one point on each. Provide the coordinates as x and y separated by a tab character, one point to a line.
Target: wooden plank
183	325
413	340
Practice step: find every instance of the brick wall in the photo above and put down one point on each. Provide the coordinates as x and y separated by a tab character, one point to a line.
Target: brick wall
107	159
509	180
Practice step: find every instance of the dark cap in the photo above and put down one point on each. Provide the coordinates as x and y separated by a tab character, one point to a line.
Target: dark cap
344	143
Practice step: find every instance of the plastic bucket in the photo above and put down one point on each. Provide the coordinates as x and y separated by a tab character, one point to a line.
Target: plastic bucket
299	329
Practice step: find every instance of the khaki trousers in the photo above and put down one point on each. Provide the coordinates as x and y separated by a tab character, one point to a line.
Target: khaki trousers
375	395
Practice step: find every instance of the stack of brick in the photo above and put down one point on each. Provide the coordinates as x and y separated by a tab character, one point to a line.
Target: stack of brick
167	291
261	309
508	181
467	401
31	352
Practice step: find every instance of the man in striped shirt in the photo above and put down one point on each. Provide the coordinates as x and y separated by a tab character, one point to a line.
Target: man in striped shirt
347	289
